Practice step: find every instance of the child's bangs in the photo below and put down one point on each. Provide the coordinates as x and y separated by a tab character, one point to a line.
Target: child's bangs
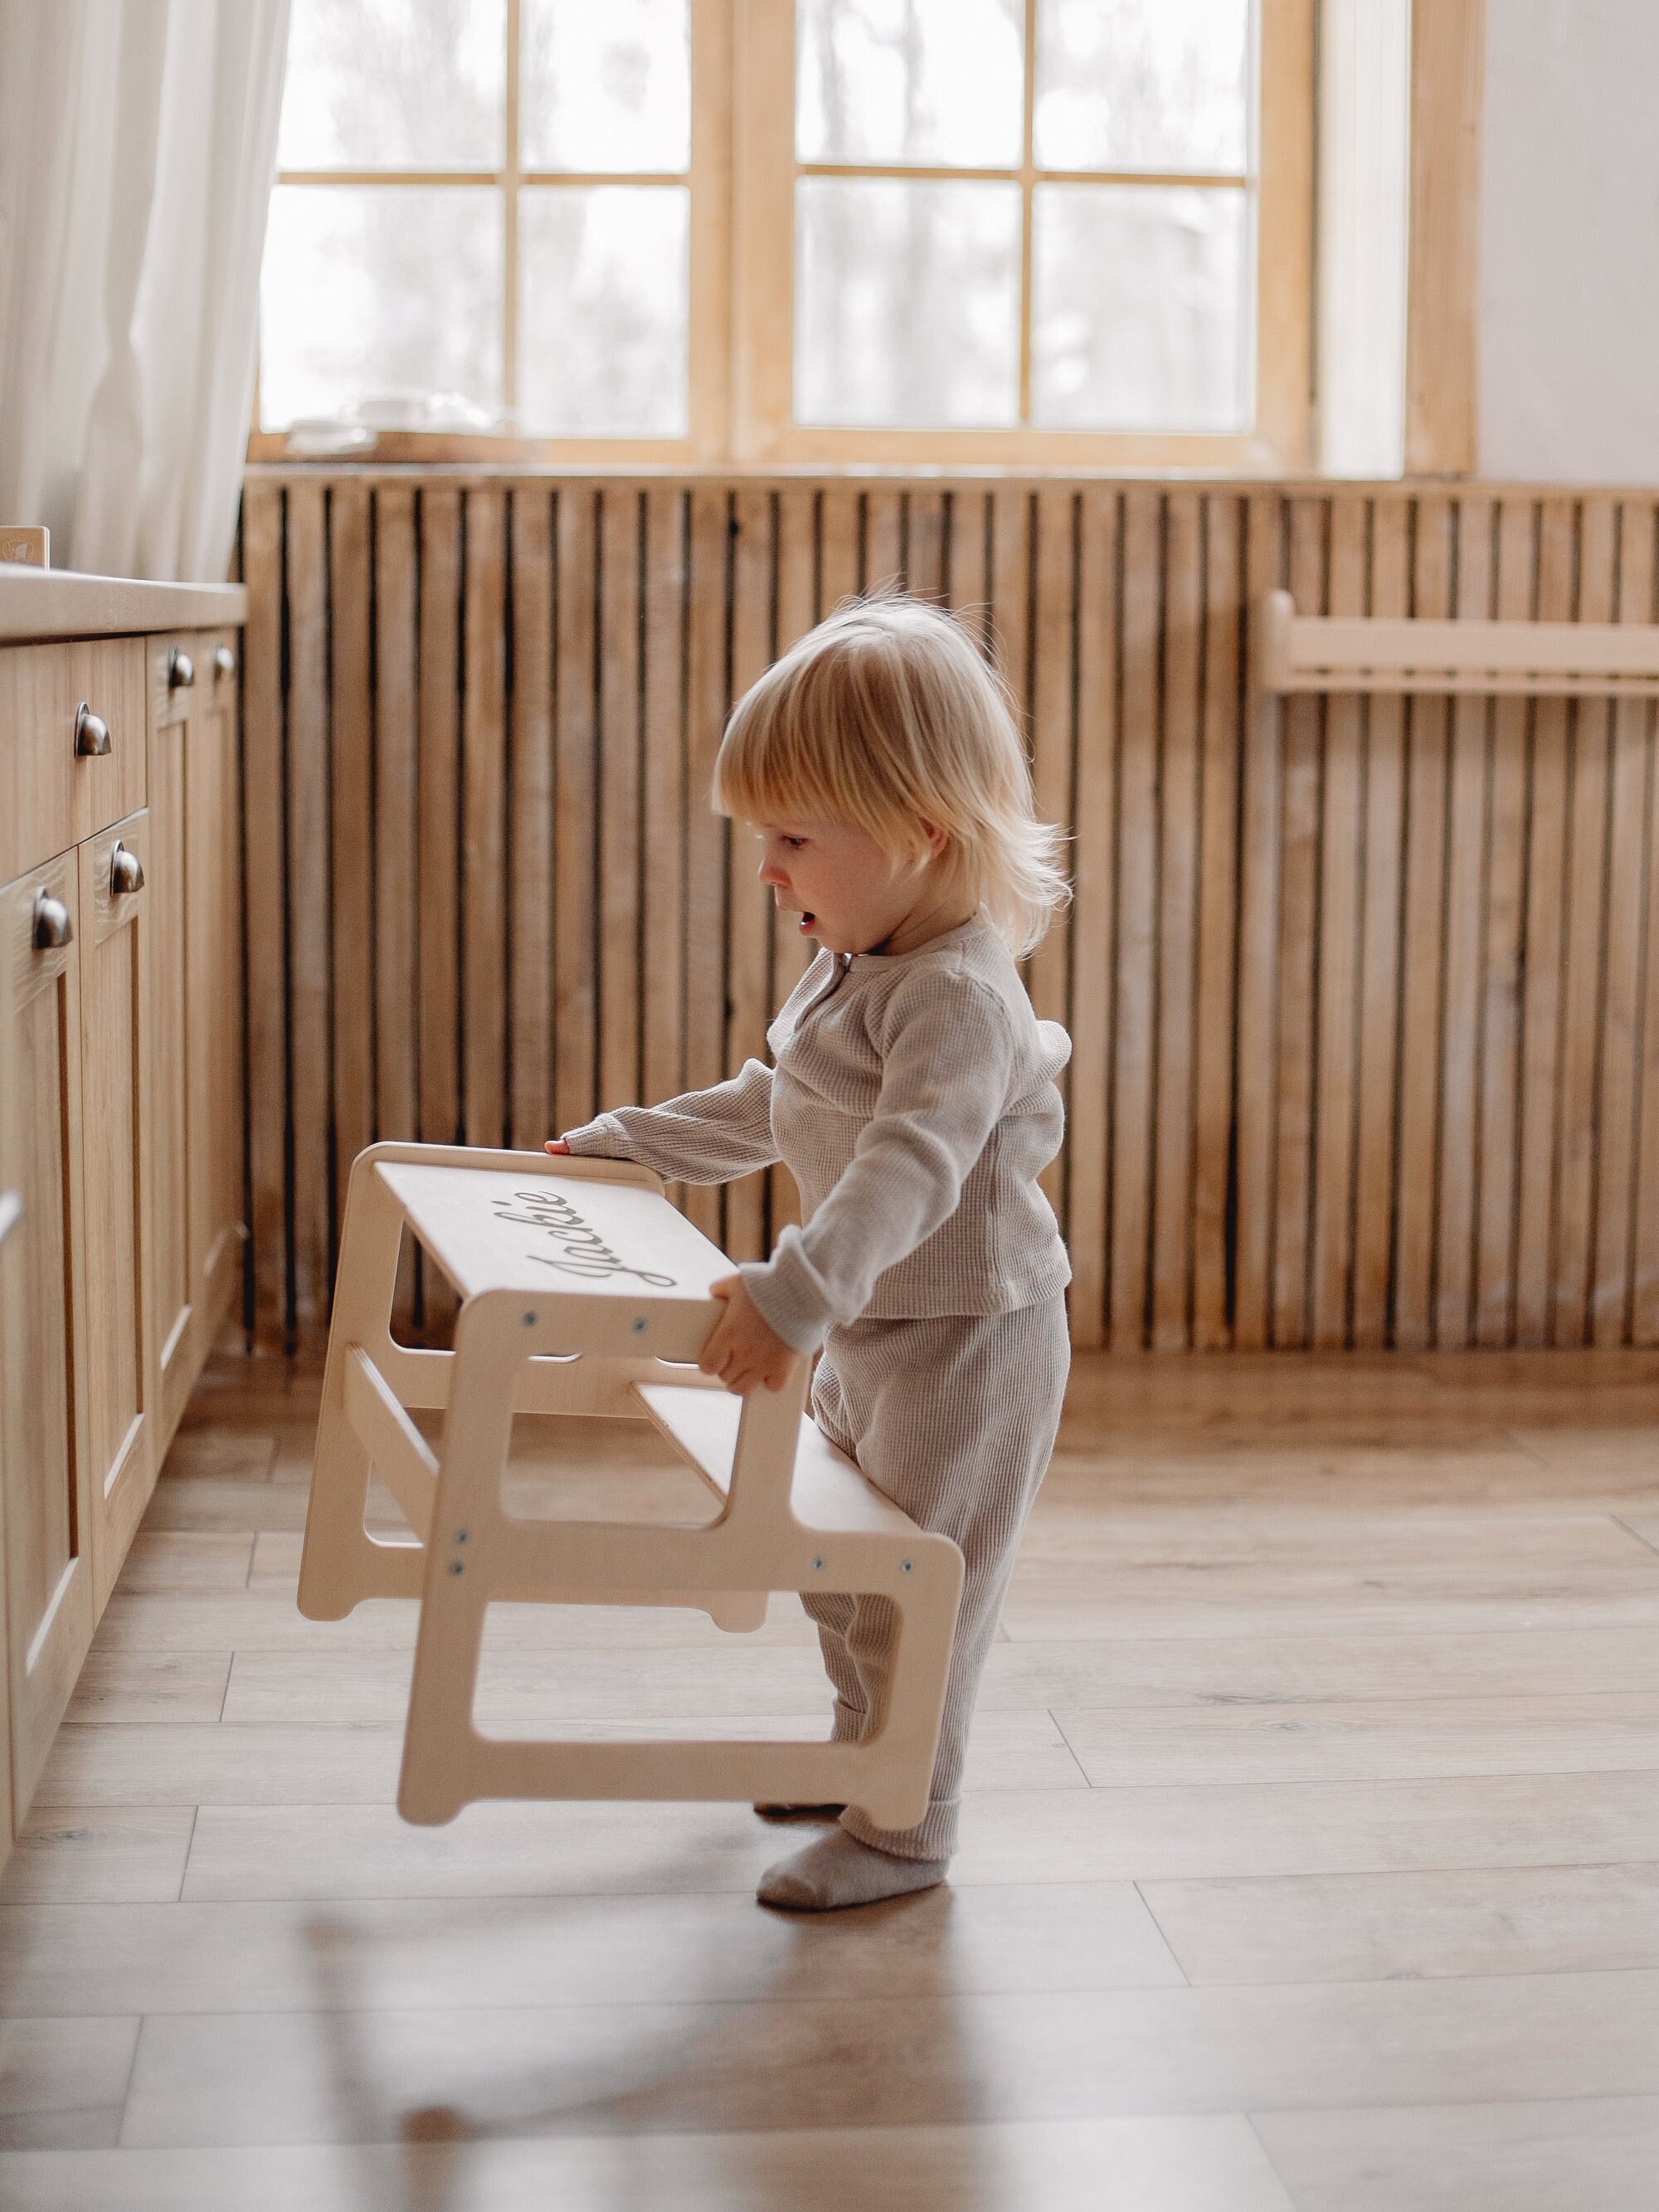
785	758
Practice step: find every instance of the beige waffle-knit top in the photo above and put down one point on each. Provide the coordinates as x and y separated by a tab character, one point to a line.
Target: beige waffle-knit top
912	1097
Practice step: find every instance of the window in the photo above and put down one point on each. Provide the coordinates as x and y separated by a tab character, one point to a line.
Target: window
775	232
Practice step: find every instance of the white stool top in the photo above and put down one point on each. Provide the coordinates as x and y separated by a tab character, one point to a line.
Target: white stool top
553	1235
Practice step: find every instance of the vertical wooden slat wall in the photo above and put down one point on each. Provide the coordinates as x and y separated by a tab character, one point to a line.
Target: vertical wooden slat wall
1363	993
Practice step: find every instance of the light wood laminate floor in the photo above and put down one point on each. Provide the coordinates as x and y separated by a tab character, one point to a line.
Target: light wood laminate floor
1311	1863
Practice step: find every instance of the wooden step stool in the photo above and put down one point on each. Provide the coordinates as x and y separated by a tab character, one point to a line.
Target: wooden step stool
583	1291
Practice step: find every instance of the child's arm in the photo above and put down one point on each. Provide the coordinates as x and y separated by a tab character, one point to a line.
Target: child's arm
703	1136
948	1057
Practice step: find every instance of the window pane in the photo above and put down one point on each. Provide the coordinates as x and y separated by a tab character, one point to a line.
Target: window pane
605	88
907	302
936	82
1142	84
603	292
379	291
395	84
1138	311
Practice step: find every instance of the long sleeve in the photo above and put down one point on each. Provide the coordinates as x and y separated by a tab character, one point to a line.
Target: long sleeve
702	1136
947	1059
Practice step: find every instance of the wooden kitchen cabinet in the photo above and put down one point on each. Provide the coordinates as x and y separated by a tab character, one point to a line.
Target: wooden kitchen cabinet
120	1094
51	1605
197	999
116	1342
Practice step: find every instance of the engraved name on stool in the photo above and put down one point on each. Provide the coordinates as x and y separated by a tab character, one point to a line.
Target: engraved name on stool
585	1254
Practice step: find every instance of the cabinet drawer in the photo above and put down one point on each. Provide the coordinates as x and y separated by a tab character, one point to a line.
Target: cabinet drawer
190	669
52	794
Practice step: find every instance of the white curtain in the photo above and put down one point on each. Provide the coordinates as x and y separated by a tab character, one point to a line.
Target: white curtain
137	146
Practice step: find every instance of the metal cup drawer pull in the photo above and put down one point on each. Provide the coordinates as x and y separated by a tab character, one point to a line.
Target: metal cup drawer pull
52	926
224	660
181	671
91	733
126	872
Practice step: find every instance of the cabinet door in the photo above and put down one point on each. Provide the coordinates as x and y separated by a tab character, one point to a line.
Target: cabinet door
213	957
118	1346
48	1496
196	982
170	1039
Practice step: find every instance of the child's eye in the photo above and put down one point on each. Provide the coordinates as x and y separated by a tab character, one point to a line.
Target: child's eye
793	843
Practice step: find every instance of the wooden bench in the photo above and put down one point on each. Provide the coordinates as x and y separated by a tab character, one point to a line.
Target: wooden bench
583	1291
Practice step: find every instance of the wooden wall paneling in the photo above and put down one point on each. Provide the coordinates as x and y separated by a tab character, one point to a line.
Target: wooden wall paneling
265	825
1011	515
1214	1024
618	773
485	956
1644	1194
575	892
529	835
1298	952
791	953
351	841
1428	736
662	891
1134	1040
926	524
884	541
1338	959
309	889
1629	799
439	842
749	903
1178	821
1585	961
396	773
1487	1156
840	530
1461	1152
1378	1002
1094	868
1047	976
1447	83
970	568
1261	805
706	834
1546	939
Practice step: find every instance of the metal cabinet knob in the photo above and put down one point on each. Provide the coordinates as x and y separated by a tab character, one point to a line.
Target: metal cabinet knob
52	926
224	660
126	872
181	671
91	733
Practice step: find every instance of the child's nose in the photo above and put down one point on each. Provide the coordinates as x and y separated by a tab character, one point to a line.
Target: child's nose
770	872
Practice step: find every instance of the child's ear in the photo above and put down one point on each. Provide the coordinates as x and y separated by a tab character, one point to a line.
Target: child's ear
936	839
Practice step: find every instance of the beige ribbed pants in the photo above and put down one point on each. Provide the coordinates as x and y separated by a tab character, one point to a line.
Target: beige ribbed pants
955	1419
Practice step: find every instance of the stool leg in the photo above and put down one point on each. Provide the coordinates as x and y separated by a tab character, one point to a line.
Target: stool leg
905	1742
467	1556
341	1563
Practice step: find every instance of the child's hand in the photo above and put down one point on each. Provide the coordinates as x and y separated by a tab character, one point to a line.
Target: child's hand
555	1145
742	1349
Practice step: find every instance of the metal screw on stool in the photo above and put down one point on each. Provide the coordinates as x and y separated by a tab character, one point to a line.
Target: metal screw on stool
456	1567
639	1325
529	1320
906	1566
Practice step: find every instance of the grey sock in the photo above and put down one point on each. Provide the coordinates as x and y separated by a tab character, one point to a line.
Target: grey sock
838	1870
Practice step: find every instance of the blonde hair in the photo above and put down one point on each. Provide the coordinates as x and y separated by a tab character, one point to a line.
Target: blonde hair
886	717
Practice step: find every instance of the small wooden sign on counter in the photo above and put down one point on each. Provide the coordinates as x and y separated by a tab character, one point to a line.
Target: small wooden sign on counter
28	542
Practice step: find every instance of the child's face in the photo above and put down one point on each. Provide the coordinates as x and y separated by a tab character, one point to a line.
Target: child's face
850	894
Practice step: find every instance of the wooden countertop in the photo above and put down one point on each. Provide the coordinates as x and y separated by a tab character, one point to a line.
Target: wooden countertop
43	603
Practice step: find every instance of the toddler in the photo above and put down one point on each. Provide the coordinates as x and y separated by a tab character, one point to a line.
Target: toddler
911	1095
